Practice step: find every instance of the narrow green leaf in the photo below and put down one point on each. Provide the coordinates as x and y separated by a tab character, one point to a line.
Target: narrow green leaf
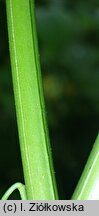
88	185
33	134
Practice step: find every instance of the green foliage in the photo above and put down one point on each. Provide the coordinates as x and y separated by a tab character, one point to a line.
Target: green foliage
87	188
30	110
69	49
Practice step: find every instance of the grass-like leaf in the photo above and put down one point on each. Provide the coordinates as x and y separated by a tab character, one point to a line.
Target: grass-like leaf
33	134
88	185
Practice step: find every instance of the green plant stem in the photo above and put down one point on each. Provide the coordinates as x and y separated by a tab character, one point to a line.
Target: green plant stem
34	142
20	187
88	185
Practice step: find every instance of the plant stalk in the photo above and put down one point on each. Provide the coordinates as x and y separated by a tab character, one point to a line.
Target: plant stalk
29	101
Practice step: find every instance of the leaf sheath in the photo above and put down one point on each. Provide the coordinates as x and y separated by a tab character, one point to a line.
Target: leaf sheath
33	134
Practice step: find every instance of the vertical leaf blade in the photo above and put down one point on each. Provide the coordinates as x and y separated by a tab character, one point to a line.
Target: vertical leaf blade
32	127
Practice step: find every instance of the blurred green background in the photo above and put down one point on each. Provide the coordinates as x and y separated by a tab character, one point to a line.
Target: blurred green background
68	37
